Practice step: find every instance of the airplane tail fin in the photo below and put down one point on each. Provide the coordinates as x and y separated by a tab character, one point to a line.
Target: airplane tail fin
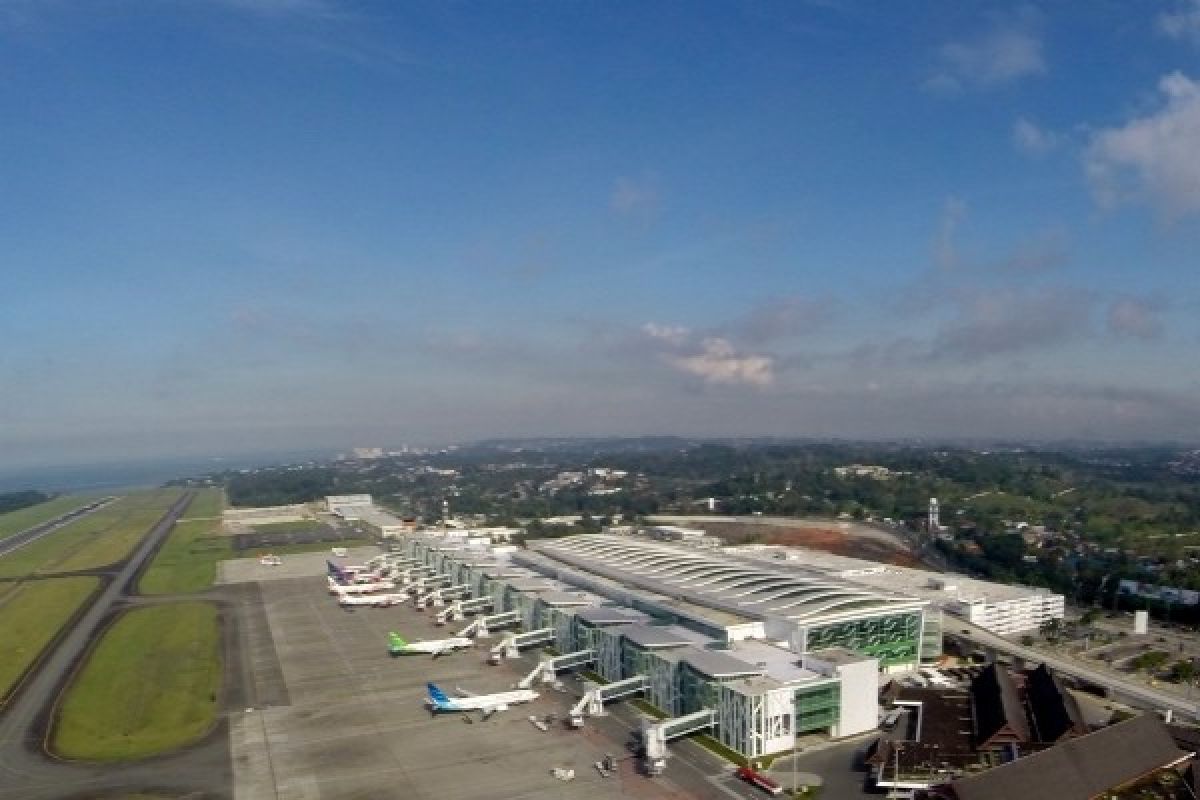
437	695
396	640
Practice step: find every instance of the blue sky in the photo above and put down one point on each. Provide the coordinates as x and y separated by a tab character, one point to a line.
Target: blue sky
235	225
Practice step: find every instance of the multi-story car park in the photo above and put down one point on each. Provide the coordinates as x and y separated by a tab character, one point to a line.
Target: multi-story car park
772	653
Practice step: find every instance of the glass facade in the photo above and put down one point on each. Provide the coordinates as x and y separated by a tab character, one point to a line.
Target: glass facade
696	691
817	707
633	660
892	639
931	636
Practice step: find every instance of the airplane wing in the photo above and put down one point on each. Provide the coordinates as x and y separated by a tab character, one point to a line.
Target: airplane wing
461	692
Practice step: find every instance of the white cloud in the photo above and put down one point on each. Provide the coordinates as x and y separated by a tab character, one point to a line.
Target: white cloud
714	358
1152	158
719	362
1011	50
1183	23
1033	139
672	334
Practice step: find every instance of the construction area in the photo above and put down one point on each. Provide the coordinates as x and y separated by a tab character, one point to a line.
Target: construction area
343	719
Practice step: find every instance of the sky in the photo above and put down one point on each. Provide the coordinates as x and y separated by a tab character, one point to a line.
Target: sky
238	225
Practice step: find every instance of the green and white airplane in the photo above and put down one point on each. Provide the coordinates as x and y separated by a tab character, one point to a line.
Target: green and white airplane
398	646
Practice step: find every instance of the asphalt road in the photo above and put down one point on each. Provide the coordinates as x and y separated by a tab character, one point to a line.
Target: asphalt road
27	772
19	540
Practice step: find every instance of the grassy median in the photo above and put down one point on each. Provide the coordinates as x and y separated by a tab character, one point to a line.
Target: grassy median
187	560
208	504
150	686
25	518
31	614
96	540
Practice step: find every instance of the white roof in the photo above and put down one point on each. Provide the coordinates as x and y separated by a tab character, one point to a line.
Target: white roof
753	588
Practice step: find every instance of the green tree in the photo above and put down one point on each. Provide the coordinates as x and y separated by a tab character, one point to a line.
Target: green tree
1151	661
1051	628
1183	671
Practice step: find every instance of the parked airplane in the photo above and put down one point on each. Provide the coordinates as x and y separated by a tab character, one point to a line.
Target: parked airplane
358	588
489	704
352	574
347	600
397	645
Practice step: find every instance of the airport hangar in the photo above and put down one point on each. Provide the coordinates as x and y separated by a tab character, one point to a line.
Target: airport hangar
773	652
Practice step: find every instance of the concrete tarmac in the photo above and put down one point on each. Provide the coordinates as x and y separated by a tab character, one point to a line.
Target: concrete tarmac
357	725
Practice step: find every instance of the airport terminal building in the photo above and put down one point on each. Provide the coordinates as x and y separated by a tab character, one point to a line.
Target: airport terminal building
773	651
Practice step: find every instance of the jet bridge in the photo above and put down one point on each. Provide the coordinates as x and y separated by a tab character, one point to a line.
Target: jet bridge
593	700
459	608
482	626
655	735
547	671
411	575
510	646
437	597
427	582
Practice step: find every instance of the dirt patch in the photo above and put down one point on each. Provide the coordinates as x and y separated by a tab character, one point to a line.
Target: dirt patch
829	540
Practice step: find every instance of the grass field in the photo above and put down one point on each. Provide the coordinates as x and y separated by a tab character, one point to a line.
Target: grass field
30	616
25	518
97	540
150	686
207	504
187	561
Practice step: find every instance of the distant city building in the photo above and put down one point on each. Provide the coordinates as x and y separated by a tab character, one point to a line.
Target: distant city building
368	452
865	471
1166	594
608	473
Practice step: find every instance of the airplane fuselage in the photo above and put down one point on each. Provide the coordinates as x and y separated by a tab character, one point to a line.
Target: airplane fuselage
433	646
372	599
359	588
483	702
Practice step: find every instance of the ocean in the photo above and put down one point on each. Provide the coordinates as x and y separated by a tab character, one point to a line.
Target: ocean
107	477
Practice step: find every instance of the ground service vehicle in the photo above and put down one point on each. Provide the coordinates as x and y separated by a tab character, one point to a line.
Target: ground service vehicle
758	779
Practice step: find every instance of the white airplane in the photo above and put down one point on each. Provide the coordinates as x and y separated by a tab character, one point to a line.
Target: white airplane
489	704
346	600
359	588
397	645
269	560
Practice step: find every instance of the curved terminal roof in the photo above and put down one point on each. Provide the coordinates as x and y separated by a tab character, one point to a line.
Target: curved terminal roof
721	581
